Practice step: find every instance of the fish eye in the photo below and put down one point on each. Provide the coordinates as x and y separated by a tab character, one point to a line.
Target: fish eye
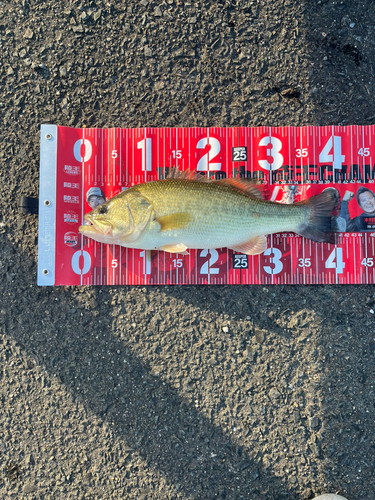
103	210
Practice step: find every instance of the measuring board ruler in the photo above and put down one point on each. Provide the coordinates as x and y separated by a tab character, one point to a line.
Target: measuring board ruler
292	163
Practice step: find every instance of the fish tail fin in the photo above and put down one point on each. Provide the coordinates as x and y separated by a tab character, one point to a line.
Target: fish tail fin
320	223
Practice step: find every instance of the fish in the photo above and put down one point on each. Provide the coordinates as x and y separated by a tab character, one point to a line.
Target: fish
188	211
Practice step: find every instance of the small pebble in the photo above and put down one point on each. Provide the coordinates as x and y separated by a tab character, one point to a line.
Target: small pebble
274	393
29	488
28	34
97	15
148	51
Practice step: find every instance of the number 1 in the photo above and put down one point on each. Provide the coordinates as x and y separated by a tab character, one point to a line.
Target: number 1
145	145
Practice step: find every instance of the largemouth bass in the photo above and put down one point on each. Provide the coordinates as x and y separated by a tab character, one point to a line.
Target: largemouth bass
188	211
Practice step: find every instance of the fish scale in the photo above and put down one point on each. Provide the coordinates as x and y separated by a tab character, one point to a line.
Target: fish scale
220	214
180	213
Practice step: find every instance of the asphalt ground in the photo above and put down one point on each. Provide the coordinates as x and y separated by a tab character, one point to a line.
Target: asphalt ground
261	393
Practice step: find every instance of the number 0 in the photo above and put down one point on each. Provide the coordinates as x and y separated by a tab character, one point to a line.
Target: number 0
77	150
86	262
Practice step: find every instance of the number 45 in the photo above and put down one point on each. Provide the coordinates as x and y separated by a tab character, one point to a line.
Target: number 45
367	262
364	152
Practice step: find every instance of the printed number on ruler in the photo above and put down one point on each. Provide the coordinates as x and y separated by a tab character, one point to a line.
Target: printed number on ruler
304	262
367	262
275	260
77	148
273	152
239	153
364	152
76	260
204	163
240	261
301	153
206	267
335	261
146	146
336	157
146	256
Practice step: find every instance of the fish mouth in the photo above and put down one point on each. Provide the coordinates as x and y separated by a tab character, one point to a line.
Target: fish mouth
91	226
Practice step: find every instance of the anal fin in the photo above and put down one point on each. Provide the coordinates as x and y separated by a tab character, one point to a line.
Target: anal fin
253	247
180	248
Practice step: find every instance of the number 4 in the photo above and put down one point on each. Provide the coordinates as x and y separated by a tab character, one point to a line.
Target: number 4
339	264
336	157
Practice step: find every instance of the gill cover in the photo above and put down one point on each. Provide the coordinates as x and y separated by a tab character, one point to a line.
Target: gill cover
140	211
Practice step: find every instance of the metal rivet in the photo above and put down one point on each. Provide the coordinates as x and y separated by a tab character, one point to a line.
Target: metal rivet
47	203
48	137
45	272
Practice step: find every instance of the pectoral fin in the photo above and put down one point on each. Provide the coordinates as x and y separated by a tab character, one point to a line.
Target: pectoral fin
173	221
253	247
180	248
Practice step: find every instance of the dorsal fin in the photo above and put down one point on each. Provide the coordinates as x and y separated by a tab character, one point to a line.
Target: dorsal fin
176	173
251	188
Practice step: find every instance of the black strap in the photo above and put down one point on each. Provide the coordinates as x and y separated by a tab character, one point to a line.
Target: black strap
28	205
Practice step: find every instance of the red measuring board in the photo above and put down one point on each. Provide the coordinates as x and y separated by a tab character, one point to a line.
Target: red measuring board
293	163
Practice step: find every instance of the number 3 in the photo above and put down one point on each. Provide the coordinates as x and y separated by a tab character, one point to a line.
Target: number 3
277	158
275	260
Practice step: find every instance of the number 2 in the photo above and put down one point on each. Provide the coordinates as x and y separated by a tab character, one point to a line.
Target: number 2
204	163
206	267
